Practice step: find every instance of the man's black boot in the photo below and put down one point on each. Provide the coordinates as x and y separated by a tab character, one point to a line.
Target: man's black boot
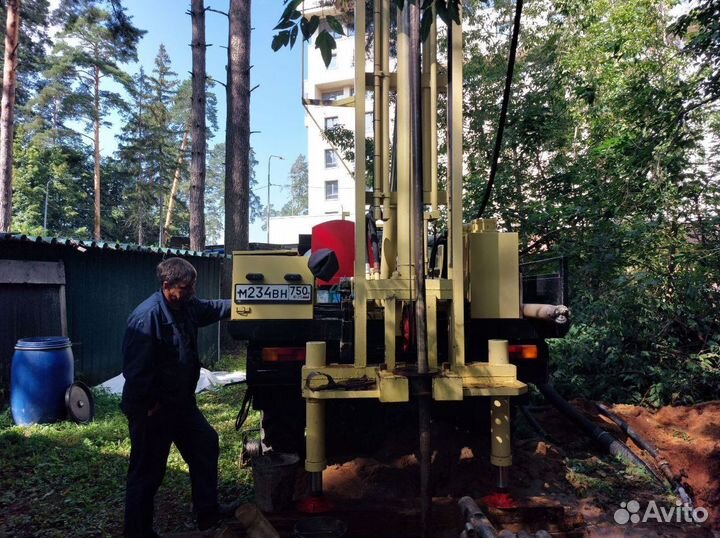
208	520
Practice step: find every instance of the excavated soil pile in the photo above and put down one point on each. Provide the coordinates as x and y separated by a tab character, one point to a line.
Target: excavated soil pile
689	439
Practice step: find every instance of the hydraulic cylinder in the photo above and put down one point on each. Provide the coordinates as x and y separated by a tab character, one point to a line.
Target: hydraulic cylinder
500	446
315	461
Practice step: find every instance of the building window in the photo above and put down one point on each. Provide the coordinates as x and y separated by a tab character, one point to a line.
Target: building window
331	190
330	158
331	122
333	60
332	95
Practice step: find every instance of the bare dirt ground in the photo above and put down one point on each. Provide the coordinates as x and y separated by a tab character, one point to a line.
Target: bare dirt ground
564	483
569	472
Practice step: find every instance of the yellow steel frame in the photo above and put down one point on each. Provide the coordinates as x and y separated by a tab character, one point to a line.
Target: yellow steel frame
395	284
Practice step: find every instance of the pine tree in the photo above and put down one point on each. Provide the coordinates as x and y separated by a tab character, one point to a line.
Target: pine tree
161	152
88	51
139	192
298	202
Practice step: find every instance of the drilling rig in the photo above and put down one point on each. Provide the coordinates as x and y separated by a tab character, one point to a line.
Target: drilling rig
383	315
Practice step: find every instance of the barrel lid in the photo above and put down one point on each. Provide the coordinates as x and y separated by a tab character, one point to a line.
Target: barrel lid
40	343
80	402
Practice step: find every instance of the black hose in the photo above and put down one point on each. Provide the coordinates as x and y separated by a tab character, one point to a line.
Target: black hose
527	414
650	449
244	409
612	445
504	108
627	429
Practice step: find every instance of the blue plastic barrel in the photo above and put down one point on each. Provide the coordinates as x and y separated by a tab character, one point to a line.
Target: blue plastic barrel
42	370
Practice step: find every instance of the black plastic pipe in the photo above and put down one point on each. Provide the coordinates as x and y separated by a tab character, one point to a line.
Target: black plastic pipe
650	449
610	443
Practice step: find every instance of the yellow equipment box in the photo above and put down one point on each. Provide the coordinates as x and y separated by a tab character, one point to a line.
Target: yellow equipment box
271	285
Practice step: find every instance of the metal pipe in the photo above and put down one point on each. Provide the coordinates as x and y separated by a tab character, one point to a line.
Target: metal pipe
476	519
417	181
418	227
360	296
378	45
403	157
455	192
430	112
388	209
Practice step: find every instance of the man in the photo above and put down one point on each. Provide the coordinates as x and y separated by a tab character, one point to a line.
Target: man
161	368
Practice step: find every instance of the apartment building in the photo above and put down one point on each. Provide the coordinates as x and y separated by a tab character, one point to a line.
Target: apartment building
331	185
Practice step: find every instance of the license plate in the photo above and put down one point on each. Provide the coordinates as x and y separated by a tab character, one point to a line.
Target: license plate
273	293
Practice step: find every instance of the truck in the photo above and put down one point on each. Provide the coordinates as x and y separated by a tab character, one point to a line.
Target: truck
409	313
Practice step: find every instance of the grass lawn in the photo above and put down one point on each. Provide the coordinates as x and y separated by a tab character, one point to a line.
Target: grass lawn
65	479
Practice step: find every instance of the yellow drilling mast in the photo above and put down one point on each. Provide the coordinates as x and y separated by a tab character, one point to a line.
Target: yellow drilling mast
456	311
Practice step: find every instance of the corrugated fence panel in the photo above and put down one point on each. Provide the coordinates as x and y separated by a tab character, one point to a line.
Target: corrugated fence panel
102	290
103	285
208	287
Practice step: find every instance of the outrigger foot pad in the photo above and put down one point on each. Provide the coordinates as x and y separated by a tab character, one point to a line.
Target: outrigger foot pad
314	504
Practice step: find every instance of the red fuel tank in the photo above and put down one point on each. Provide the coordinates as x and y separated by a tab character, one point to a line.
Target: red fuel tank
337	235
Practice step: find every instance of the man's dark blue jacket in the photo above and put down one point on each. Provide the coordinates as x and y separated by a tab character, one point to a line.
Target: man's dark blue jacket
160	356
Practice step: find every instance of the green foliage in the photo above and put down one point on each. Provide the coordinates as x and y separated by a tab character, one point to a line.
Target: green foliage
700	27
70	103
62	174
608	162
215	194
65	479
609	480
292	22
148	157
32	52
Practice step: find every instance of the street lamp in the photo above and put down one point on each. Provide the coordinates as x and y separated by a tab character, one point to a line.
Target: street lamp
267	220
47	192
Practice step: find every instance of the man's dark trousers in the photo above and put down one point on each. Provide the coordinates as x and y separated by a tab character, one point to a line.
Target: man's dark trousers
151	438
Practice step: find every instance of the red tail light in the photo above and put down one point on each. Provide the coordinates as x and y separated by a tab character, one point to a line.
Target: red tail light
283	354
523	352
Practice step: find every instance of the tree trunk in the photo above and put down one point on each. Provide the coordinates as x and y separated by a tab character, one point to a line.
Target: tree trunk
199	141
7	111
237	159
173	194
237	145
96	121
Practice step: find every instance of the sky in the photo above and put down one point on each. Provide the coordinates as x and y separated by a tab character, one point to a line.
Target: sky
276	112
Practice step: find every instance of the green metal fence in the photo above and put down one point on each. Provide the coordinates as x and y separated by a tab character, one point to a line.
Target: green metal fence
103	284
